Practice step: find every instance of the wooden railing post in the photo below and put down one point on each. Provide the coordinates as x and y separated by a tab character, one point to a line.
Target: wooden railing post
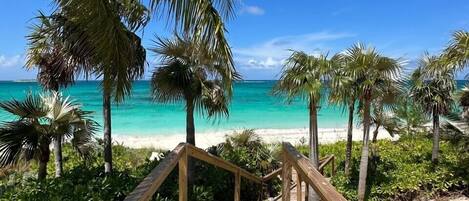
286	177
333	166
237	190
183	176
298	188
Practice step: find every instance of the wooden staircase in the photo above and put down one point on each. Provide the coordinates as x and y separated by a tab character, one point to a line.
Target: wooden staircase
296	173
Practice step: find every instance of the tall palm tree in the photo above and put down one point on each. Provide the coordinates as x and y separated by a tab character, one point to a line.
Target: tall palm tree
99	36
371	71
105	32
303	76
55	69
344	91
432	87
193	73
39	121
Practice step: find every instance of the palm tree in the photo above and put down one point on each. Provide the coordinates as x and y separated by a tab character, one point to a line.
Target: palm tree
191	72
383	103
104	32
409	115
372	72
39	121
432	86
344	91
303	76
99	37
55	69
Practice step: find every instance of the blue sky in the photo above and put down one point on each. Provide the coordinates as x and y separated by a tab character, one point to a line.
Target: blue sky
264	30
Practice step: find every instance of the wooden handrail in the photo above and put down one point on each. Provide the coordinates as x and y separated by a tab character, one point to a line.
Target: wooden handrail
217	161
151	183
271	175
179	155
322	162
326	161
308	174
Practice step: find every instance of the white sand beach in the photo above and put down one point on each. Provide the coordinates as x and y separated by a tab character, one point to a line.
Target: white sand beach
204	140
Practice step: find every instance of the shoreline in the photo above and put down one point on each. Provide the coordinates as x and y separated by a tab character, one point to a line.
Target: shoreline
205	140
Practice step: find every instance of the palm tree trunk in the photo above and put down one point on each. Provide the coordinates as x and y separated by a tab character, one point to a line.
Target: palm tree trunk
348	149
58	156
313	143
436	136
190	138
58	147
43	160
375	133
365	149
107	132
190	128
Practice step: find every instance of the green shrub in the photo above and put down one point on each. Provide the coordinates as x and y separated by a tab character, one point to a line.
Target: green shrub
401	170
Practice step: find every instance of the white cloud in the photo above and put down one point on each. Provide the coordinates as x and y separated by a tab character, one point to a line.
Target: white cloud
268	63
253	10
271	54
11	61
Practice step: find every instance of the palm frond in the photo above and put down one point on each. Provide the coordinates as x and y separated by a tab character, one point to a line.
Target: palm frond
201	20
432	86
18	139
303	76
170	82
31	107
457	52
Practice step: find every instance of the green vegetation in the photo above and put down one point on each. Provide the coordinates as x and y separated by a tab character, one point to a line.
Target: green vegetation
78	39
201	80
409	176
303	76
84	179
40	119
402	170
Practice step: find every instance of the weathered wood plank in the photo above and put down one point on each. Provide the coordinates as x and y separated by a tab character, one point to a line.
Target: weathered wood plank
149	185
299	190
286	178
237	190
216	161
272	175
310	175
325	162
183	165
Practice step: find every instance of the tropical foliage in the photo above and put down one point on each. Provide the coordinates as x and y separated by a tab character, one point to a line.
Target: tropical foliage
374	74
303	76
190	71
40	119
85	180
432	88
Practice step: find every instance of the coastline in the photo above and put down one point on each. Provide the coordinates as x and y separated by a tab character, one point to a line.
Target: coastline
204	140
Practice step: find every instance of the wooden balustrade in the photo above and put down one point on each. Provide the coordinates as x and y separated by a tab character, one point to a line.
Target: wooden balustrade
291	159
307	173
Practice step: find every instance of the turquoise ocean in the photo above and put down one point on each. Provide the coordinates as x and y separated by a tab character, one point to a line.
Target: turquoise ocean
252	106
